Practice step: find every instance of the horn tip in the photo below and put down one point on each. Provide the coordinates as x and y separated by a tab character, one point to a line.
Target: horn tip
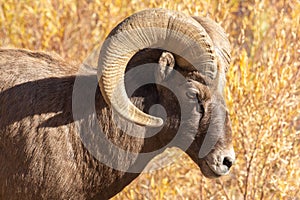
160	122
156	123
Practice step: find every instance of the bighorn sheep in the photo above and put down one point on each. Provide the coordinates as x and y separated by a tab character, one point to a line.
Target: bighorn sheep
48	146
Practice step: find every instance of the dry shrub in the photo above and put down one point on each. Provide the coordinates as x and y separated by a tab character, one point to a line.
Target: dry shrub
262	92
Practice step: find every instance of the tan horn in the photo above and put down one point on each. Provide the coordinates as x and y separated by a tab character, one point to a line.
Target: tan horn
152	28
219	39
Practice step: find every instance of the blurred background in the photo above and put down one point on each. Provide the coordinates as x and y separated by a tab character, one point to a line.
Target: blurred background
262	92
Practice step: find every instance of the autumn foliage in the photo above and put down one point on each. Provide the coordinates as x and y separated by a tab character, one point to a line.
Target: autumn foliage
262	92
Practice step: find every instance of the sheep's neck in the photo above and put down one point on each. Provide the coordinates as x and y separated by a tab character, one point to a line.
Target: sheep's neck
123	137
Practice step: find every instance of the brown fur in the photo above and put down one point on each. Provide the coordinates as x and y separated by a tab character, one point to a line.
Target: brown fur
42	155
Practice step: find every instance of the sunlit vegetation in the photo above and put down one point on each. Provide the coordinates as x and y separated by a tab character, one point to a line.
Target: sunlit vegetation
262	92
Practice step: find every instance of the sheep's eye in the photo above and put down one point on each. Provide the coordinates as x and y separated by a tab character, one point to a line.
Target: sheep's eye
192	94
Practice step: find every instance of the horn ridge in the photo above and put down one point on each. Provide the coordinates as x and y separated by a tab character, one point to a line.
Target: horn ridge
151	28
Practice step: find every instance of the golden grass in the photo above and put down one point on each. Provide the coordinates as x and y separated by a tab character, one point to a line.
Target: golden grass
263	90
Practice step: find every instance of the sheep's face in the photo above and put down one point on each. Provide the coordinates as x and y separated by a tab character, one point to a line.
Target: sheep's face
205	130
199	116
211	148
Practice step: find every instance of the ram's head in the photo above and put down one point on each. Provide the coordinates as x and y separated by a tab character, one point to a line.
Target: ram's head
194	54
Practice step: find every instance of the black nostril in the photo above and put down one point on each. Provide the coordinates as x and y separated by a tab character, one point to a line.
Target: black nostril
227	161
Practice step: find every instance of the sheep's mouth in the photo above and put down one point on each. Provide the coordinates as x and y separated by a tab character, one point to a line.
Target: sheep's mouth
213	171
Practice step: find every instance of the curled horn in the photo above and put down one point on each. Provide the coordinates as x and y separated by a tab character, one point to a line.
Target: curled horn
219	39
152	28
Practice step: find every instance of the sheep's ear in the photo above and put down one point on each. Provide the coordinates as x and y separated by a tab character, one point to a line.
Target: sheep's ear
166	65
